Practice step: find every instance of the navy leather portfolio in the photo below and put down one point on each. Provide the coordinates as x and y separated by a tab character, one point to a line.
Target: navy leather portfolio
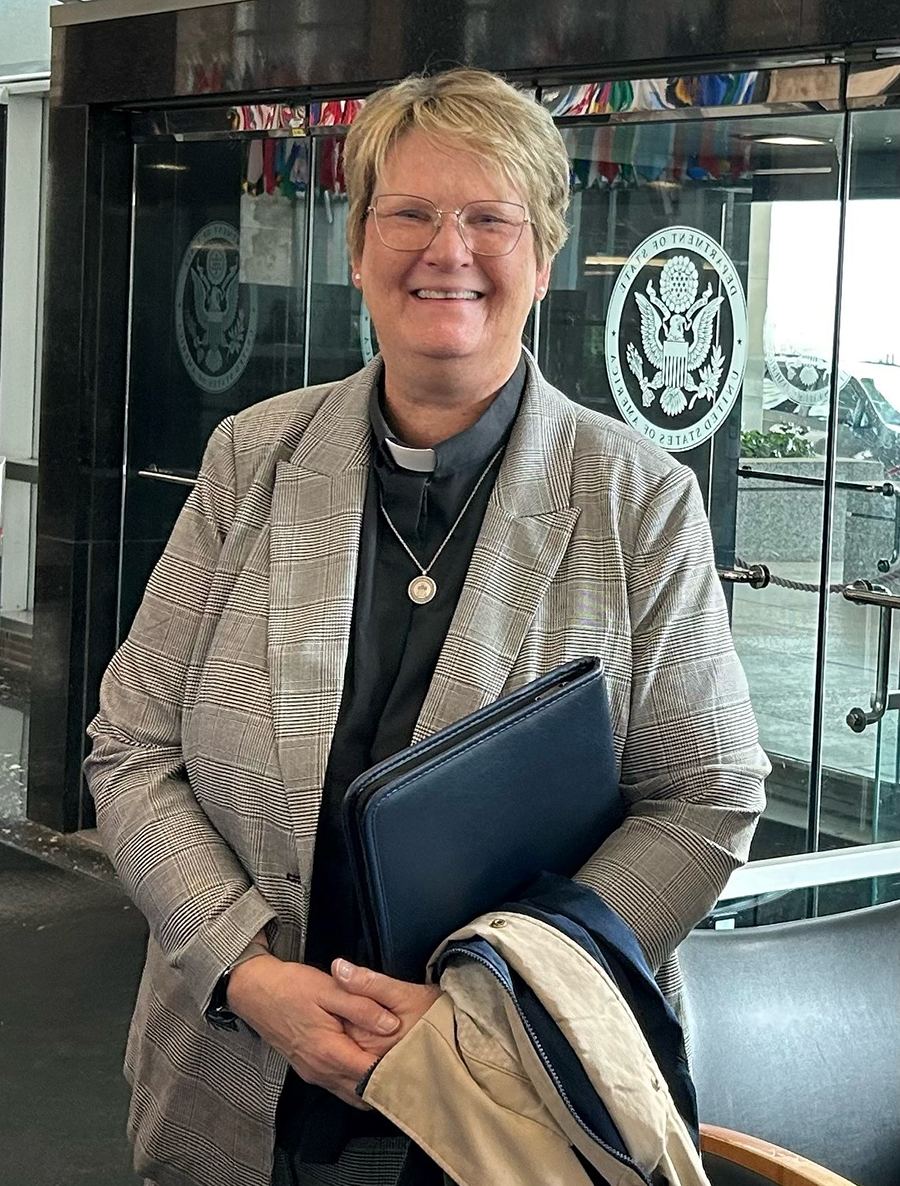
452	826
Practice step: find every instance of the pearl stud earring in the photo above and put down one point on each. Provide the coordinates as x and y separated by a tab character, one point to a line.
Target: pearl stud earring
356	275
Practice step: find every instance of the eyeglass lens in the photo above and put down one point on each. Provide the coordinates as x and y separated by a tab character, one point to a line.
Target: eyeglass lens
409	224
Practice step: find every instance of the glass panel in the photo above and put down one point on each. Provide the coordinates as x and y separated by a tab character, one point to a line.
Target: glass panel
861	770
22	156
794	244
334	113
217	313
18	518
788	905
340	335
25	45
787	89
3	138
694	244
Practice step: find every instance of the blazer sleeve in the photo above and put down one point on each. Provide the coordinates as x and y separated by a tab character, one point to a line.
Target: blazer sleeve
692	768
198	900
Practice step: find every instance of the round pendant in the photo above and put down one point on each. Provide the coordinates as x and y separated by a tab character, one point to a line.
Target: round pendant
421	589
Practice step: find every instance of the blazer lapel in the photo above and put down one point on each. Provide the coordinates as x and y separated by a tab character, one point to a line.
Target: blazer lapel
317	507
526	531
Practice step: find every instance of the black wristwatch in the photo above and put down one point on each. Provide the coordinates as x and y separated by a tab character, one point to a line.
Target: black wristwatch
217	1011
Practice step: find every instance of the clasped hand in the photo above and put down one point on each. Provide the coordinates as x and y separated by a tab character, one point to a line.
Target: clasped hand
330	1028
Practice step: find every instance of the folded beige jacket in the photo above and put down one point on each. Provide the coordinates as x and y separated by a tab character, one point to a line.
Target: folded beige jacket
467	1085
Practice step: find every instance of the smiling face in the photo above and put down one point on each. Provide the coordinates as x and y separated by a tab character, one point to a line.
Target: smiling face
443	313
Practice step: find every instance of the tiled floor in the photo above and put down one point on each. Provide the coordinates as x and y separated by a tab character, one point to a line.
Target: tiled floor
14	720
71	948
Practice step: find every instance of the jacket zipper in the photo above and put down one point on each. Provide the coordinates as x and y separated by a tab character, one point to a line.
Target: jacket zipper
548	1067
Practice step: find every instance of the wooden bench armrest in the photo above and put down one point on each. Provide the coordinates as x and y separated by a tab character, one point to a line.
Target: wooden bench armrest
778	1165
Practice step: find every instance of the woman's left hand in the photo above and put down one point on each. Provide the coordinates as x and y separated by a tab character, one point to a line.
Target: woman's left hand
407	1001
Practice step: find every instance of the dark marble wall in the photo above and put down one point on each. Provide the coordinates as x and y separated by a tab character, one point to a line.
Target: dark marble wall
260	49
838	22
81	434
294	44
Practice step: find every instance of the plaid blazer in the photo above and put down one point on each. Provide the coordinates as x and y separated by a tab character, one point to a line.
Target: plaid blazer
217	714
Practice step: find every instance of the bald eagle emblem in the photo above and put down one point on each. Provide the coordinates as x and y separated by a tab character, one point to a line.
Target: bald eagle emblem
215	315
677	330
215	291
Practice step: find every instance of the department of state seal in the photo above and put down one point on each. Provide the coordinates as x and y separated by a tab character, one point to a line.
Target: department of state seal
215	315
799	371
678	309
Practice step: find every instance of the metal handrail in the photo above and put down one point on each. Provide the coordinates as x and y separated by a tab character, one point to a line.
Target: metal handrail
165	475
867	593
757	576
887	489
883	700
808	869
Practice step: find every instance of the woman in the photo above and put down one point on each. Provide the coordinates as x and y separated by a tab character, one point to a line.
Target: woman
360	564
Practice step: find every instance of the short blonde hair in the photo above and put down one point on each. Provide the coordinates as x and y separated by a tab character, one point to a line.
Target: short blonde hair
479	112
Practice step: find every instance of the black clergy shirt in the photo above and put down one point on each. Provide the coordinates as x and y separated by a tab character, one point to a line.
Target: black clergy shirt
394	648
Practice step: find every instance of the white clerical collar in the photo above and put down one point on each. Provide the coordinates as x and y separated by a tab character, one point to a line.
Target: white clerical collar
422	461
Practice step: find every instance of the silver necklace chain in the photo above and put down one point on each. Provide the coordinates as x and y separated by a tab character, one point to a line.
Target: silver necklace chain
422	589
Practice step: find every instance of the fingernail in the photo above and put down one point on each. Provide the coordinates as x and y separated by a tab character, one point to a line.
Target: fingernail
389	1024
343	969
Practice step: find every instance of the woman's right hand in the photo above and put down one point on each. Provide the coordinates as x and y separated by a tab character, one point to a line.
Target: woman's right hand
301	1011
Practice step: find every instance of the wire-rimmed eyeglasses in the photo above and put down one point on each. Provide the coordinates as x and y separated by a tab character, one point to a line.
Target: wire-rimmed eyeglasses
407	223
